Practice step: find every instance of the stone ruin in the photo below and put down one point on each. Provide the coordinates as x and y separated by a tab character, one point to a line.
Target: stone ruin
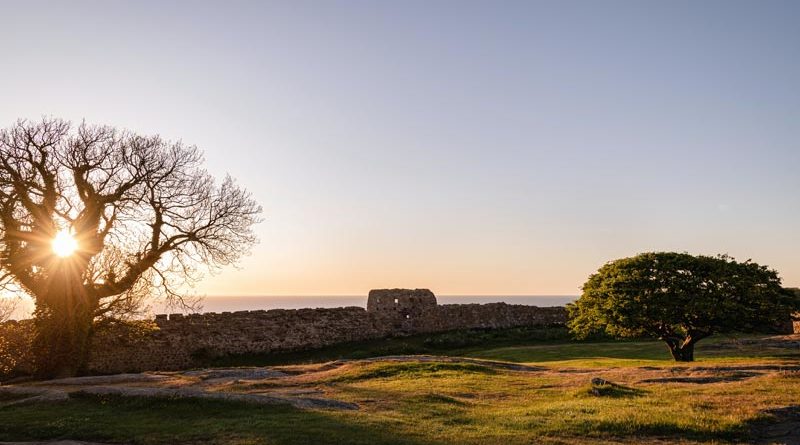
402	304
183	341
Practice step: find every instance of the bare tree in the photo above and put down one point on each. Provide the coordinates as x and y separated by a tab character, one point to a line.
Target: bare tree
143	214
7	308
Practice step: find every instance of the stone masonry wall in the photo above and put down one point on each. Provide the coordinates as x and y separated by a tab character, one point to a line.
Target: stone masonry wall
182	341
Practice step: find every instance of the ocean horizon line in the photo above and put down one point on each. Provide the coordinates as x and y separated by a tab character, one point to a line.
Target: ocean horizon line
365	295
235	303
224	303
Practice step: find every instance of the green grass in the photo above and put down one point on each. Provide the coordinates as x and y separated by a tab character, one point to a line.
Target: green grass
520	345
4	397
629	353
431	403
472	408
610	390
586	352
449	343
163	421
411	370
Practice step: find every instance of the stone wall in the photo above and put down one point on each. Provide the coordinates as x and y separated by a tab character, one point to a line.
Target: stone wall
183	341
15	346
401	302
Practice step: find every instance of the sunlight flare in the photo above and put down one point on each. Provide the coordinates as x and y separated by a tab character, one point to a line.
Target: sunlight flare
64	244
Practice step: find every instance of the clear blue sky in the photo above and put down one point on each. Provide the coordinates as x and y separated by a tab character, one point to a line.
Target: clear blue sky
470	147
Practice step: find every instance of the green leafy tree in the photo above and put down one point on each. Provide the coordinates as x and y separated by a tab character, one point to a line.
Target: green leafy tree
680	299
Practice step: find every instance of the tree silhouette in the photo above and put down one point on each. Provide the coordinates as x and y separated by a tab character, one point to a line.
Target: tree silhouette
143	214
7	307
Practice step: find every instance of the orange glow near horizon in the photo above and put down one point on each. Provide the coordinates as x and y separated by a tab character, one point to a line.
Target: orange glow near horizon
64	244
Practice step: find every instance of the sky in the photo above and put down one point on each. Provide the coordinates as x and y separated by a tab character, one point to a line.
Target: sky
473	148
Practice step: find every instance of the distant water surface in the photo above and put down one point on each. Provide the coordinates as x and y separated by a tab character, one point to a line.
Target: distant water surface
251	303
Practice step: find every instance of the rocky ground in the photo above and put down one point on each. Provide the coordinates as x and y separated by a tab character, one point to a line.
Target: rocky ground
292	385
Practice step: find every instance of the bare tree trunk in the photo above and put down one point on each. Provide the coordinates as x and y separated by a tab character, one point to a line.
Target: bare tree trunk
63	327
682	350
683	353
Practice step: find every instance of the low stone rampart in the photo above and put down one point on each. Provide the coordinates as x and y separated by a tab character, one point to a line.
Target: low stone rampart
184	341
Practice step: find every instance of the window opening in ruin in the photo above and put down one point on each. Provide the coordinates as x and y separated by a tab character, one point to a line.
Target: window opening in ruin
408	316
396	301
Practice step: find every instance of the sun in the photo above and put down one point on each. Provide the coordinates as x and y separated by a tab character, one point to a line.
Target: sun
64	244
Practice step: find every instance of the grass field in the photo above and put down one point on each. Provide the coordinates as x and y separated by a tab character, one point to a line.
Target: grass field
721	398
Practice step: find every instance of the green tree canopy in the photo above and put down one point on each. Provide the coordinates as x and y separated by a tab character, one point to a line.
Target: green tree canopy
680	299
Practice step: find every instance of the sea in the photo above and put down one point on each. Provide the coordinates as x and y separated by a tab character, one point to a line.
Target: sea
266	302
249	303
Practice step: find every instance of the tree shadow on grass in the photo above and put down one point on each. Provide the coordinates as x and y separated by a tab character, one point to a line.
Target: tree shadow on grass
600	351
154	421
774	426
730	377
660	431
779	425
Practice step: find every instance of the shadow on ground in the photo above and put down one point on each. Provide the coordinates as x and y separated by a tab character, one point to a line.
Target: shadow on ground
160	421
778	426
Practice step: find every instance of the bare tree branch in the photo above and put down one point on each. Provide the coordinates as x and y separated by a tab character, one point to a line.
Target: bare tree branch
143	210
